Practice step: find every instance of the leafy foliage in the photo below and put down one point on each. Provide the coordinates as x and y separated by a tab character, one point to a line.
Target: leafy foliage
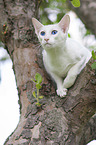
88	32
54	9
37	81
51	11
76	3
69	35
94	57
93	65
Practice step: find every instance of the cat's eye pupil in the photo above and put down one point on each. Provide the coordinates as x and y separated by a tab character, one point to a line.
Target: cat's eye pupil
42	33
54	32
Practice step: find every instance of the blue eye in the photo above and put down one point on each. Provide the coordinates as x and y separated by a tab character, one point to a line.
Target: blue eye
54	32
42	33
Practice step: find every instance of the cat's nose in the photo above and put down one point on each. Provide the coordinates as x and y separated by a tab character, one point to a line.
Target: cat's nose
46	40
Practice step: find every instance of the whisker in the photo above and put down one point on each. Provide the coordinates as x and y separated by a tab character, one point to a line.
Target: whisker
37	46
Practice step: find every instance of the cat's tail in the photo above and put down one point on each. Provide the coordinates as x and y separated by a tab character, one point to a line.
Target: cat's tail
88	56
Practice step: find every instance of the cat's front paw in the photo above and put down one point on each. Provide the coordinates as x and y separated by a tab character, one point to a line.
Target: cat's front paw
61	93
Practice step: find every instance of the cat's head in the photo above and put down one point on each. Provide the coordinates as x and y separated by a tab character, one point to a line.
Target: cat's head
52	36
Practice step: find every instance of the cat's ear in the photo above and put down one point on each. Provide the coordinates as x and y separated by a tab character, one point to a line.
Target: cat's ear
37	25
64	23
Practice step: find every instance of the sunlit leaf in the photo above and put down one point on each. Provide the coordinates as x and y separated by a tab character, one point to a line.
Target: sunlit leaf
41	97
88	32
93	55
76	3
69	35
34	94
38	104
38	86
33	80
38	78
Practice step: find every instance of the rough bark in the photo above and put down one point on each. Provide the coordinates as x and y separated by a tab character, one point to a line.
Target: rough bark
59	121
87	13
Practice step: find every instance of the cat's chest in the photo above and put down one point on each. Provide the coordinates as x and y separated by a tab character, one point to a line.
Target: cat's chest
59	64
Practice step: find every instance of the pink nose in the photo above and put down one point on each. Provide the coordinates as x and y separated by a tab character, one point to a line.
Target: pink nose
46	40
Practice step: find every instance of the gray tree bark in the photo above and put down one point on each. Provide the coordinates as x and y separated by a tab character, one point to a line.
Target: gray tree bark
87	13
59	121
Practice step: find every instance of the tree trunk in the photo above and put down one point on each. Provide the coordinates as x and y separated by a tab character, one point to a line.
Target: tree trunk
87	13
59	121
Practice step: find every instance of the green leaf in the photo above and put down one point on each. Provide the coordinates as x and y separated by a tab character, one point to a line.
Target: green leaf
38	78
69	35
93	55
76	3
38	86
93	65
88	32
38	104
34	94
33	80
41	97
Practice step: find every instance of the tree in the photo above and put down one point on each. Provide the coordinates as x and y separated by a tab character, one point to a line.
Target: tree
58	120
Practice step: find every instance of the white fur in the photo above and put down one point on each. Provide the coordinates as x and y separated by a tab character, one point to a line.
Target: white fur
63	57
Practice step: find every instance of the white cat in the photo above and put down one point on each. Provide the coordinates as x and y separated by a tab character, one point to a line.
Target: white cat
63	57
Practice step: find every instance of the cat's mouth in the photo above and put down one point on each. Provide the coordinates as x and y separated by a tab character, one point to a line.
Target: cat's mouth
47	44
